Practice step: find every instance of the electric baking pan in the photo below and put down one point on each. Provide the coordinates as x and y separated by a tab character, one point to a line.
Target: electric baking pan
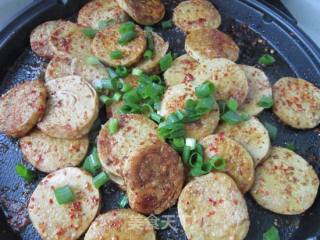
256	27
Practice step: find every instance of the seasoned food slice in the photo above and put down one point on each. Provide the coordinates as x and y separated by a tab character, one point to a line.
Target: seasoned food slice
181	70
259	86
209	43
106	42
49	154
121	224
160	49
39	38
196	14
285	183
68	40
175	98
239	164
229	79
154	176
67	221
72	108
134	131
22	107
59	67
252	135
145	12
297	102
101	10
212	207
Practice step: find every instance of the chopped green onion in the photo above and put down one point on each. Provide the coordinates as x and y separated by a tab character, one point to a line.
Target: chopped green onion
232	104
205	90
131	96
222	106
291	146
122	71
186	154
126	87
148	54
166	62
137	72
64	195
100	180
113	125
147	109
109	84
155	79
205	105
112	73
167	24
199	149
27	174
271	234
195	160
127	27
92	60
89	32
234	118
105	100
92	163
105	23
124	201
266	59
265	102
127	37
150	42
156	117
148	29
171	130
198	171
272	130
117	96
178	143
217	163
191	142
116	54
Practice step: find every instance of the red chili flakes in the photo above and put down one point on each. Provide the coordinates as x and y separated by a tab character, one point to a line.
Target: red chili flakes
75	209
50	201
188	78
211	213
61	231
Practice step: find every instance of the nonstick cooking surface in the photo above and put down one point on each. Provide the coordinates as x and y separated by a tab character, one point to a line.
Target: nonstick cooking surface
250	29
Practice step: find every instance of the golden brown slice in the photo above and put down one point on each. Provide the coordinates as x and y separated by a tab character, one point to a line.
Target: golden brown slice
145	12
175	98
22	107
154	176
49	154
228	77
259	86
209	43
121	224
285	183
211	207
252	135
180	71
68	40
195	14
72	108
160	49
59	67
297	102
39	38
239	164
67	221
106	41
101	10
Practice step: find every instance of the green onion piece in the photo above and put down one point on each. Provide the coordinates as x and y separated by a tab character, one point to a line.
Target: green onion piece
122	71
199	149
123	202
150	42
232	105
148	29
131	96
291	146
27	174
100	180
173	118
148	54
191	104
271	234
117	96
105	100
166	62
222	106
272	130
205	105
92	163
167	24
195	160
110	84
266	59
105	23
92	60
171	130
265	102
112	73
89	32
147	109
233	118
217	163
186	154
127	27
197	171
137	72
64	195
191	142
156	117
126	87
116	54
178	143
113	125
155	79
127	37
205	90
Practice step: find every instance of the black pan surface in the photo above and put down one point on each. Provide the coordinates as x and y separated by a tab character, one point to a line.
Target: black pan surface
256	28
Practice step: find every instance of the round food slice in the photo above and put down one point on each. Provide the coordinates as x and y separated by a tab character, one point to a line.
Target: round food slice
212	207
209	43
196	14
297	102
259	86
160	49
39	38
285	183
145	12
59	67
68	40
22	107
72	108
175	98
106	42
49	154
239	164
66	221
101	10
252	135
134	131
154	176
228	77
180	71
121	224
